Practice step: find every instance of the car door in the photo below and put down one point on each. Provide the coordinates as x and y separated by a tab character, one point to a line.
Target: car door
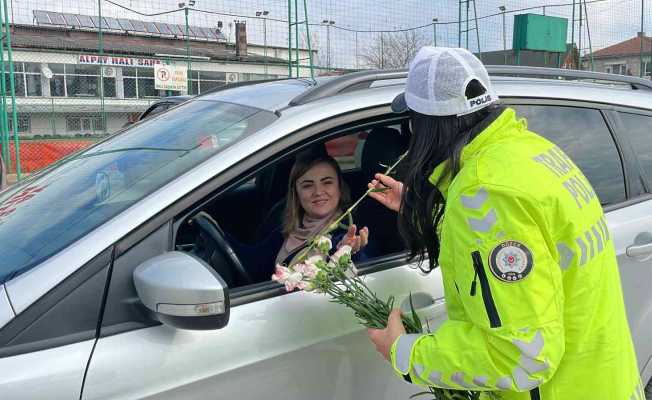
281	345
44	350
584	132
634	235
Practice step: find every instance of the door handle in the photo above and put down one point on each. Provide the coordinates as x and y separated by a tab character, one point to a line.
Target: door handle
431	311
642	247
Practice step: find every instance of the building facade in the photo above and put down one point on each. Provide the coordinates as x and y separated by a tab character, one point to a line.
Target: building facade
623	58
64	85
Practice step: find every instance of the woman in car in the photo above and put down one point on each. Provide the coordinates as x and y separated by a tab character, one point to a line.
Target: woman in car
317	195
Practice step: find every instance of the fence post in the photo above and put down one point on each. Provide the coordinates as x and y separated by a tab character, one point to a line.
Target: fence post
642	66
4	126
305	14
14	117
101	54
289	38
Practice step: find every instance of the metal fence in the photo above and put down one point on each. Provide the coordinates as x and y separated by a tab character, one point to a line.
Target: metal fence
76	73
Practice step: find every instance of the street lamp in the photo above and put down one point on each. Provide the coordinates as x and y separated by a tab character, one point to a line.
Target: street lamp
328	24
263	14
186	6
502	10
434	28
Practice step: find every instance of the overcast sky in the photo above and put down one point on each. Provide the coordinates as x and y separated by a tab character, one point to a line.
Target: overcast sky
610	21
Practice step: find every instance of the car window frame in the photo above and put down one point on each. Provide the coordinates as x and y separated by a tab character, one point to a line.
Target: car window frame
629	169
249	167
269	288
620	126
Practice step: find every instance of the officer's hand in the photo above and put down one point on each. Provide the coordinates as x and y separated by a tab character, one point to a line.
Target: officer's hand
384	338
390	197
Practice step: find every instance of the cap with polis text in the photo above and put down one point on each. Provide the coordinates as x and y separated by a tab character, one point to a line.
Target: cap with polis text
437	83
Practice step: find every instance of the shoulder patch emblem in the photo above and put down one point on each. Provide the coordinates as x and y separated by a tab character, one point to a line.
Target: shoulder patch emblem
510	261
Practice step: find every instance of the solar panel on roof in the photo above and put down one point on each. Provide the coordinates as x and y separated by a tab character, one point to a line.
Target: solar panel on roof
211	33
207	32
125	24
191	33
138	25
177	29
97	24
198	32
163	28
151	28
71	20
56	18
85	21
113	23
41	17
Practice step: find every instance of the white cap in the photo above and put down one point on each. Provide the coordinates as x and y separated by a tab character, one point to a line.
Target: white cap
437	82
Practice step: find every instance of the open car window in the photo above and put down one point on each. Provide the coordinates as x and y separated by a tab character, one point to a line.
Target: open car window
251	216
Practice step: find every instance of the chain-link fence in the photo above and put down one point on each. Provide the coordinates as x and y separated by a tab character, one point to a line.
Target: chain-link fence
83	70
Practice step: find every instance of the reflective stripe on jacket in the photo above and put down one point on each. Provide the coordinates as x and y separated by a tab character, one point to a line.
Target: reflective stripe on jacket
532	287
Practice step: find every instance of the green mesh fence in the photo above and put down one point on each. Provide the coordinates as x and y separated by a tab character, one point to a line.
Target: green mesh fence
84	70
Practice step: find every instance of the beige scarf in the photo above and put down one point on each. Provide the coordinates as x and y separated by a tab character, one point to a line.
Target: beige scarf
308	228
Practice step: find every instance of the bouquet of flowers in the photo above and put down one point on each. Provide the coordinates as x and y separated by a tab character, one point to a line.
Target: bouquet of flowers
316	270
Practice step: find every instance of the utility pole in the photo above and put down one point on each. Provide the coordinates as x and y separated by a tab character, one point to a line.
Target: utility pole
356	50
328	24
502	10
434	29
264	13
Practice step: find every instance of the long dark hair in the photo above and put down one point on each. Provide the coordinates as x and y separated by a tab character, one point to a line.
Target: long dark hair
433	140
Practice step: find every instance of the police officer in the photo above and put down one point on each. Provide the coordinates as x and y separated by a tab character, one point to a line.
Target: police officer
535	305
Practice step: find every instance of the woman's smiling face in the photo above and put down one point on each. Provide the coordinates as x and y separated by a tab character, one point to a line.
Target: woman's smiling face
319	191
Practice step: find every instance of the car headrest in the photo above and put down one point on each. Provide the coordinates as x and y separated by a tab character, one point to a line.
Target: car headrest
383	146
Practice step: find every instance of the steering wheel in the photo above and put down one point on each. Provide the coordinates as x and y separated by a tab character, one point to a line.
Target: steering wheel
211	230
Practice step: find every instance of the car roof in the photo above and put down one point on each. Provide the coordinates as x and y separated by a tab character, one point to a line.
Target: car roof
544	83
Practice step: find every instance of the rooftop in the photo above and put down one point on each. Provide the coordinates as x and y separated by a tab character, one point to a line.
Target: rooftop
627	48
63	38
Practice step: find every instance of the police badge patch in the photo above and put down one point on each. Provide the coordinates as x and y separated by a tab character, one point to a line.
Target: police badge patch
510	261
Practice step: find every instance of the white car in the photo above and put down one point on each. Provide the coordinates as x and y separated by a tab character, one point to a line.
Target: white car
118	281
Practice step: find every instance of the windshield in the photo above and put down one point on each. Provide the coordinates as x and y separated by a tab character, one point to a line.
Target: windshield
45	215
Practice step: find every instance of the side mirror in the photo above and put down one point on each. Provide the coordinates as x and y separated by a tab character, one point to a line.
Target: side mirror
183	291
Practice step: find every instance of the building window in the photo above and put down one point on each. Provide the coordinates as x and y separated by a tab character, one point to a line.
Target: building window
85	123
620	69
255	77
27	79
138	83
209	80
24	123
71	80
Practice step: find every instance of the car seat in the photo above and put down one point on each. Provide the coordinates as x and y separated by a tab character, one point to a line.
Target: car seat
384	145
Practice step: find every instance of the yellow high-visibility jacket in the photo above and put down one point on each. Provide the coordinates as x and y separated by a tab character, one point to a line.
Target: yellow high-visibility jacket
535	305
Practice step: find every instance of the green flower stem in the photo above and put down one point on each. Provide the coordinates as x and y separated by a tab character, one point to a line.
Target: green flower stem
346	214
373	313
